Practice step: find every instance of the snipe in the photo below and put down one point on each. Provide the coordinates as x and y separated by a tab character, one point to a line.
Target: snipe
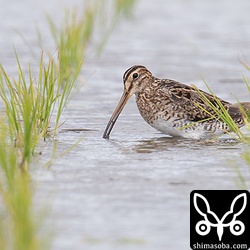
173	108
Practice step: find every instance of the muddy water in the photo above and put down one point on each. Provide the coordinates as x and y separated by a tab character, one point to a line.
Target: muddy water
132	192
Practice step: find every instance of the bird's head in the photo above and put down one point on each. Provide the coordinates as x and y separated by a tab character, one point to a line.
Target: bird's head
135	79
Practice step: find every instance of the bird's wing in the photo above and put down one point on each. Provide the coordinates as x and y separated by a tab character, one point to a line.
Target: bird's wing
192	102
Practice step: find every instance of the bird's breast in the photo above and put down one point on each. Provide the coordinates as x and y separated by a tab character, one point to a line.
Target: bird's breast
152	106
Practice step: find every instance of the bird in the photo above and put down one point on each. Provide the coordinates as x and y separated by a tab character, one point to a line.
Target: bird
174	108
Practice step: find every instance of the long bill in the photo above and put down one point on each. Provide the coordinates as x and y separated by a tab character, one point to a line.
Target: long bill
125	96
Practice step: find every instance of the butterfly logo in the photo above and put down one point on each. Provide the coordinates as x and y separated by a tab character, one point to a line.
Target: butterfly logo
203	227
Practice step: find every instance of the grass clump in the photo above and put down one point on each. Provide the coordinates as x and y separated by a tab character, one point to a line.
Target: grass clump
71	40
219	112
28	102
19	227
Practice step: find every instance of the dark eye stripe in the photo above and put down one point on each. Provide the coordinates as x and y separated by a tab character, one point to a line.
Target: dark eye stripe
130	70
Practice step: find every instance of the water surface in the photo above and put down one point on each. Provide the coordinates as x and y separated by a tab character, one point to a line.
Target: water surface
132	191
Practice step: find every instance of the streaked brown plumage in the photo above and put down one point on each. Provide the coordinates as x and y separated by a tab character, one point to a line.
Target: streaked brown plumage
174	108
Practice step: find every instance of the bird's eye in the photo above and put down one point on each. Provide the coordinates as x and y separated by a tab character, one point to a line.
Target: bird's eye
135	75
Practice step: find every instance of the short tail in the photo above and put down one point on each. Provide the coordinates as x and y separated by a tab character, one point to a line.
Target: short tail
239	112
246	108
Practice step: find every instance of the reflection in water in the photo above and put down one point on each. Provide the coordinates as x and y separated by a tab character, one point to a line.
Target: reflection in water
155	144
166	143
160	144
75	130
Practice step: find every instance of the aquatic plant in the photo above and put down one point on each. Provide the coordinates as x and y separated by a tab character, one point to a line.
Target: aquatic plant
246	155
71	40
220	113
223	115
29	102
19	223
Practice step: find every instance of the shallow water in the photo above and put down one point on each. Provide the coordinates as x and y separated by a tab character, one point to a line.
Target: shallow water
132	191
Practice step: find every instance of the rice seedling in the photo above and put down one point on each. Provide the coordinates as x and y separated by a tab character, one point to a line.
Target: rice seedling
124	7
18	226
221	113
71	40
245	183
29	102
